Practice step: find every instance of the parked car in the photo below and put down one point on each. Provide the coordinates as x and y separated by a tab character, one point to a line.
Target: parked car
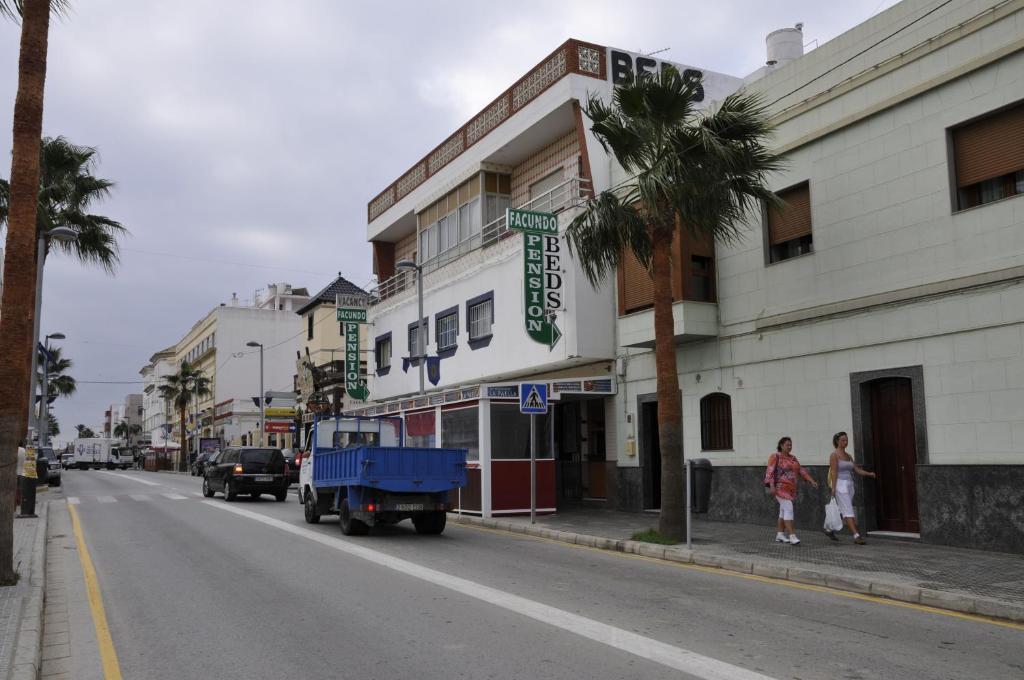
246	470
293	468
48	466
200	463
67	460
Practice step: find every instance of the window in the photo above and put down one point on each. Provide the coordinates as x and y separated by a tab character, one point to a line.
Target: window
544	189
382	352
481	318
716	422
789	227
417	343
460	429
447	328
451	222
989	158
309	327
419	429
510	433
701	275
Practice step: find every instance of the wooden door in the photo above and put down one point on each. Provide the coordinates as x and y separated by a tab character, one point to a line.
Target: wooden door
651	461
895	454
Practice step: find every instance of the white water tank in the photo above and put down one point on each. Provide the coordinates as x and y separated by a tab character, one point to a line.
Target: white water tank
785	45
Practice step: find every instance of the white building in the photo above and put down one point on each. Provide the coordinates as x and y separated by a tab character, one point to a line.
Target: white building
156	412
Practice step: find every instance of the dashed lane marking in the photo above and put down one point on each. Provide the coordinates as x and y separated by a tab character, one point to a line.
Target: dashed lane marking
139	497
174	496
106	499
133	478
73	500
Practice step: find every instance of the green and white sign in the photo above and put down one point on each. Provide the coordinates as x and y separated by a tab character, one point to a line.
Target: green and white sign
357	315
542	272
355	387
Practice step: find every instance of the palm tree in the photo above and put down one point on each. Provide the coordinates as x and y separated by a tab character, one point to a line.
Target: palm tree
17	308
54	426
59	384
701	171
126	431
179	388
84	431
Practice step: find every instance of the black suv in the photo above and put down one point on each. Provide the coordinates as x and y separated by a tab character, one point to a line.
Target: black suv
246	469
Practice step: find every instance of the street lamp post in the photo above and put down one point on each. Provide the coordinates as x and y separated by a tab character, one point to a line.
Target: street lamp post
262	398
58	234
422	334
43	424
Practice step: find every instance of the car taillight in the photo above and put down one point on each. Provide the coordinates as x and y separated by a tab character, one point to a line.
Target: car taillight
298	459
371	507
238	469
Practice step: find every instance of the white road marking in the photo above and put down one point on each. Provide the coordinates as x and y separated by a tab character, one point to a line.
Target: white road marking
646	648
133	478
139	497
197	493
174	496
73	500
106	499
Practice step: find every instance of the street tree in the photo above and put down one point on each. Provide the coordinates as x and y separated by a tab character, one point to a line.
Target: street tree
180	388
84	431
54	425
702	172
59	384
126	431
17	307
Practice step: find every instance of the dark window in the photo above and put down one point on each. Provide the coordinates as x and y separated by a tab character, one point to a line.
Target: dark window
716	422
789	227
382	352
419	338
701	272
446	330
510	433
309	327
989	158
460	429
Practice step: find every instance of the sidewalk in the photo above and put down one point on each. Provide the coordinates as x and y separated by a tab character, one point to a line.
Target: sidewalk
971	581
21	605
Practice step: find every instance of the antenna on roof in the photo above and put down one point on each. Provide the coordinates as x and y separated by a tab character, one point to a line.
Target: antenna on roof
663	49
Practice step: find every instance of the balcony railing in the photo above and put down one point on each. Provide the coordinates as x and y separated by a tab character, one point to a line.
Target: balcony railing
565	195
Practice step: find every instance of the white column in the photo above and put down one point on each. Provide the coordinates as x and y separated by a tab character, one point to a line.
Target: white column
437	427
484	421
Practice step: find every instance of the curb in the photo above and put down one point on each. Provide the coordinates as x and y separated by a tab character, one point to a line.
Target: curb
28	643
900	592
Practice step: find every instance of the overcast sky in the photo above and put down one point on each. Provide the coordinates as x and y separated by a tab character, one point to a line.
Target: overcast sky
246	137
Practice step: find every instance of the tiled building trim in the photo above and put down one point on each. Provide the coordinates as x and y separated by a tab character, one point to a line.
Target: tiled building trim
571	57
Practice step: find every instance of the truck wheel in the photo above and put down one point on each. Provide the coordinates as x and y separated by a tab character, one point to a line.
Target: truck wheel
229	493
310	511
207	492
351	526
432	523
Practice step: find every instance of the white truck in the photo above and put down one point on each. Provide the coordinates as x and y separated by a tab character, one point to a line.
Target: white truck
101	452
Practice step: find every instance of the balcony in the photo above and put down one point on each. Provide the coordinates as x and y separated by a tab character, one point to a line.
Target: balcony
565	195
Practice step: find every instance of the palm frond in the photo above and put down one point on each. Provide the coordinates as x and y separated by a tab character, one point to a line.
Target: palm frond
13	8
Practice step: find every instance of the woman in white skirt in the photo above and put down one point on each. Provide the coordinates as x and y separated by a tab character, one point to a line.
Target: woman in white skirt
841	469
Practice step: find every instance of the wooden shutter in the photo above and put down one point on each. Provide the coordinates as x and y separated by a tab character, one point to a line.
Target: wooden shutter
794	219
989	148
636	287
716	422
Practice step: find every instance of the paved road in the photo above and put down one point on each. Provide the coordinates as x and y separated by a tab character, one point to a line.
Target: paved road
204	588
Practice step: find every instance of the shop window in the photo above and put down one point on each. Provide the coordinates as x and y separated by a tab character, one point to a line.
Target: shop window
510	433
989	158
789	226
460	429
420	429
716	422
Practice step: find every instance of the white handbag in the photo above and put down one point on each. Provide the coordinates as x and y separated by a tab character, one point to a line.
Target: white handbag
833	521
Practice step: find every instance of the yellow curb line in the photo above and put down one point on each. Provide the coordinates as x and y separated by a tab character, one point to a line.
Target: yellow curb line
111	667
978	618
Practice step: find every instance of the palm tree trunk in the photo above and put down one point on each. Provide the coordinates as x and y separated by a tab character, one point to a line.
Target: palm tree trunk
17	308
670	415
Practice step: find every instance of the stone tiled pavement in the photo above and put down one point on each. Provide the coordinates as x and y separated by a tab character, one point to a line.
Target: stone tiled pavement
13	599
960	571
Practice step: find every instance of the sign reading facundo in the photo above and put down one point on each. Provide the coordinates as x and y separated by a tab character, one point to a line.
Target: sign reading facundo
542	272
351	314
533	398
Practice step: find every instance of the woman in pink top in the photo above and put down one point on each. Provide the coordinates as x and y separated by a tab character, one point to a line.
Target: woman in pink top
781	478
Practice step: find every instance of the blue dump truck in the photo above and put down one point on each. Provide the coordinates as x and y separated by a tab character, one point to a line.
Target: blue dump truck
359	469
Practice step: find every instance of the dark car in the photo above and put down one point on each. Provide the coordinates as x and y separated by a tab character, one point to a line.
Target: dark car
247	470
200	463
293	468
48	467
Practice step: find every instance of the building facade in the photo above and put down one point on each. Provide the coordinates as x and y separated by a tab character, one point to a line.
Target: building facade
157	416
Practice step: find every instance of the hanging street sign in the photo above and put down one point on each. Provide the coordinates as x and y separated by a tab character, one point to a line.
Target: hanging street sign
355	387
533	398
542	272
357	315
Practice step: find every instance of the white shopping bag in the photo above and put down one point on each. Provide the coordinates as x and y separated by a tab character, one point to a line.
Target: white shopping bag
833	522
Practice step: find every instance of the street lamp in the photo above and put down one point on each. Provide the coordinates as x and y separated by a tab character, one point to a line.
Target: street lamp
263	399
64	234
43	424
422	341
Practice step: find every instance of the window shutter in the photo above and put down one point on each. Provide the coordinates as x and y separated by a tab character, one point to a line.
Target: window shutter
794	219
716	422
637	285
989	148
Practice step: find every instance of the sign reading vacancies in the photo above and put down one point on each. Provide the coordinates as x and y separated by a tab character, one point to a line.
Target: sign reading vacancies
542	272
352	314
353	385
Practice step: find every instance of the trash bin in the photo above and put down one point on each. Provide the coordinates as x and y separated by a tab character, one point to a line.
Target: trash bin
700	484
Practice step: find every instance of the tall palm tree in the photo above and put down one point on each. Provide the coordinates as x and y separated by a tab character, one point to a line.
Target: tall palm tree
702	172
126	431
17	307
179	388
84	431
59	384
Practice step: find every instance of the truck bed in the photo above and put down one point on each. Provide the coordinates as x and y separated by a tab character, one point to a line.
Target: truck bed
398	469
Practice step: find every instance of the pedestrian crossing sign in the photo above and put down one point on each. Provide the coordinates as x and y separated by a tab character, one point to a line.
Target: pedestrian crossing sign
533	398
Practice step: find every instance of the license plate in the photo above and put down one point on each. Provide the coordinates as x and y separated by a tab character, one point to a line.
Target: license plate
264	478
409	507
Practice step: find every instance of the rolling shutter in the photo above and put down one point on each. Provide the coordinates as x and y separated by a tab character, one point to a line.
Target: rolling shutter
716	422
989	148
637	289
794	219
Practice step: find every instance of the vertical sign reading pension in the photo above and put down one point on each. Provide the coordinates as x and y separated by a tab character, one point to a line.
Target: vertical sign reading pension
355	388
542	272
